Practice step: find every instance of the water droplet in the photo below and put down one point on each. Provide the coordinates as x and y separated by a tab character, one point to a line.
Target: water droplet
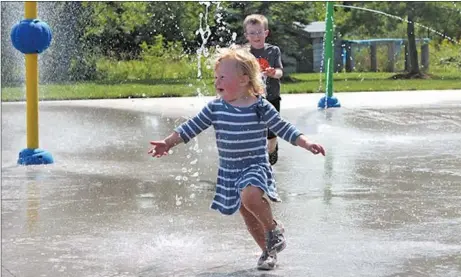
178	200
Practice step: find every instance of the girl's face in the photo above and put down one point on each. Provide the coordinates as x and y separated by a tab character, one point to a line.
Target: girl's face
230	84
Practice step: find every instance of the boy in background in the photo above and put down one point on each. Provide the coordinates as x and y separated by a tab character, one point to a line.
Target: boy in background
256	28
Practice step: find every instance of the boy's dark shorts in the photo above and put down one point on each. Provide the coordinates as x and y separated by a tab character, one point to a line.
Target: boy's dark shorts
276	103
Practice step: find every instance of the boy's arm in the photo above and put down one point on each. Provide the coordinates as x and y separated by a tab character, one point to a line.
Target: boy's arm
278	67
278	64
278	73
275	73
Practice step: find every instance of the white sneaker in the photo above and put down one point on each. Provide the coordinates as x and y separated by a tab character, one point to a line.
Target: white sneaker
267	261
275	241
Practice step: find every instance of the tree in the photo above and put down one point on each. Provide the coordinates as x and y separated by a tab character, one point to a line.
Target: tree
412	49
436	20
282	30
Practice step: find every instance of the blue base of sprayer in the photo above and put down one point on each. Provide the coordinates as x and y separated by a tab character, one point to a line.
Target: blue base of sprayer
30	156
328	102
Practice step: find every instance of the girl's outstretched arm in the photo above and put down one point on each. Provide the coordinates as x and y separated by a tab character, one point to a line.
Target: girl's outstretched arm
160	148
199	123
288	131
315	148
185	132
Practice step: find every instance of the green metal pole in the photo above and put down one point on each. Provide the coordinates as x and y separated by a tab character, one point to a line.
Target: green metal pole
329	101
329	49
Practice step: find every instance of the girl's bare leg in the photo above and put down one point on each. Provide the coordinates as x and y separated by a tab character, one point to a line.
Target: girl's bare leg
254	227
253	201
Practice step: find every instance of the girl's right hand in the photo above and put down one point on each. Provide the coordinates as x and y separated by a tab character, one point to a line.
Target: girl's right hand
160	149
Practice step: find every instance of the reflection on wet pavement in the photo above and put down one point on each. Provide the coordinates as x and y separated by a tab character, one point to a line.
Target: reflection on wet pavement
385	201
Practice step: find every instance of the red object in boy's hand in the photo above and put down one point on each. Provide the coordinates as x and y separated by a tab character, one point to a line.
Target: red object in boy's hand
263	64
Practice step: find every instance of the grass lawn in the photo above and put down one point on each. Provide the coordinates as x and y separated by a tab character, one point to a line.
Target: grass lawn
300	83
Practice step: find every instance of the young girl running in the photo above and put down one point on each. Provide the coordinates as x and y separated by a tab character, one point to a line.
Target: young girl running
240	117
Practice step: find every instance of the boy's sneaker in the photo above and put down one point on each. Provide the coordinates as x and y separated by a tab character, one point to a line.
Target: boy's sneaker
267	261
274	156
275	241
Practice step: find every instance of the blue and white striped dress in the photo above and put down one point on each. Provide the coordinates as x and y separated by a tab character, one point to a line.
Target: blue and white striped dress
242	147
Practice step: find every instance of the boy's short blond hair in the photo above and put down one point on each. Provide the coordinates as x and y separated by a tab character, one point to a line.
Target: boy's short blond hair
256	19
247	64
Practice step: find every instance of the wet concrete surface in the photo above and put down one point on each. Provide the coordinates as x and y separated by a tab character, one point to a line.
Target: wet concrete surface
385	201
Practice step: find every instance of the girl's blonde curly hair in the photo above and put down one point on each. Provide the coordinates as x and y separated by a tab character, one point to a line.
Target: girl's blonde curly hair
247	64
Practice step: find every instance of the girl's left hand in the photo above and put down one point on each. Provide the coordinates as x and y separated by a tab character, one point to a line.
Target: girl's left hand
316	149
